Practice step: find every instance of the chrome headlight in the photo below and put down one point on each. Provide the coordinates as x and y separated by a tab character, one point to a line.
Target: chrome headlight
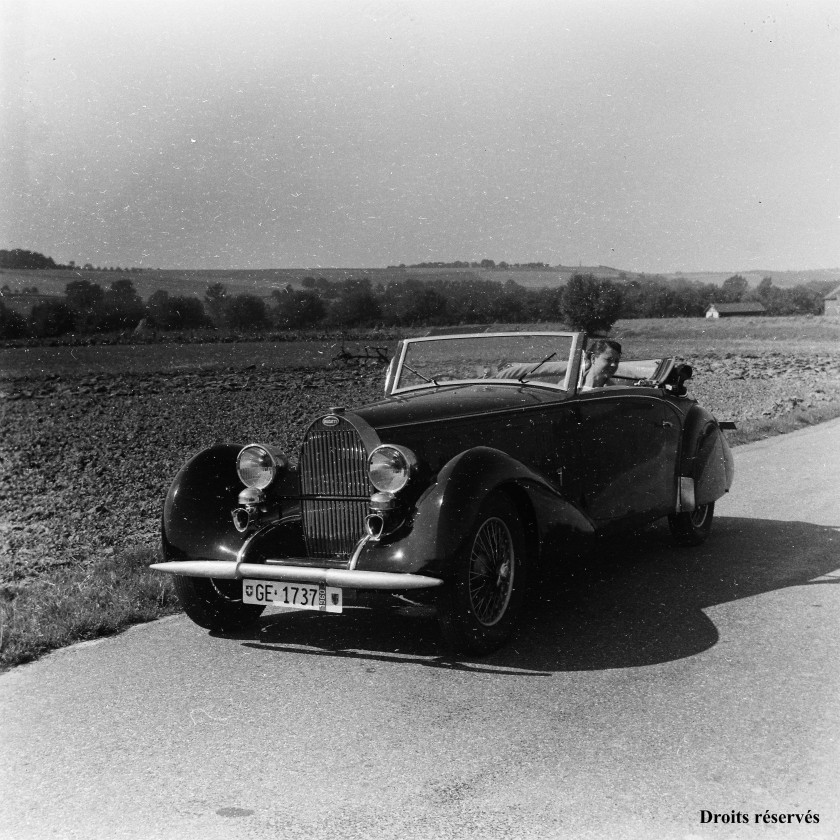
390	467
257	465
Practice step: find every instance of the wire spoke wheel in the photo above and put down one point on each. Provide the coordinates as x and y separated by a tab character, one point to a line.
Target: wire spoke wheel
480	607
692	527
699	515
491	571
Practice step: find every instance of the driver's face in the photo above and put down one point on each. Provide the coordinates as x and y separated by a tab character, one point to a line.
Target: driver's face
605	365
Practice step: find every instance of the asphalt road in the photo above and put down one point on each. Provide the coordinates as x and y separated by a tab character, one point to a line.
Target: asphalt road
652	684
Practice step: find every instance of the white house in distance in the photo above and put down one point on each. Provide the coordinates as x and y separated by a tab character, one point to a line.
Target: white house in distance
729	310
832	302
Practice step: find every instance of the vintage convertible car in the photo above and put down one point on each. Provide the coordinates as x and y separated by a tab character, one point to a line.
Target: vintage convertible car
483	460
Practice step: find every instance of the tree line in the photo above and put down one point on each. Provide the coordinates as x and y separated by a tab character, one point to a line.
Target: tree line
19	258
585	302
475	264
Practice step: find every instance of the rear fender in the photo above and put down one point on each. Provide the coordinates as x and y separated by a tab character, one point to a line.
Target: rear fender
707	467
714	468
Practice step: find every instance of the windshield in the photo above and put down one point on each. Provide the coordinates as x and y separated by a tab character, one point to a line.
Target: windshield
511	358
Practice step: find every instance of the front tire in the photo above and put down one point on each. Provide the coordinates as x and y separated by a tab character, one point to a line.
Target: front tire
216	604
480	607
693	527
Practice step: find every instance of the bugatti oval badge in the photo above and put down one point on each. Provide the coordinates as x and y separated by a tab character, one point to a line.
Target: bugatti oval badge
330	421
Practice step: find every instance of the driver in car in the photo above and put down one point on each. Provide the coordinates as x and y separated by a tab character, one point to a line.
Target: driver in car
600	362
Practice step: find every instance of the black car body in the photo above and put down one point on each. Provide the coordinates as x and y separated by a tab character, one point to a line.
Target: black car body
485	456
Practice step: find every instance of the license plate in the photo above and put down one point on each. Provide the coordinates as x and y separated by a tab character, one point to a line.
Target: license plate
297	596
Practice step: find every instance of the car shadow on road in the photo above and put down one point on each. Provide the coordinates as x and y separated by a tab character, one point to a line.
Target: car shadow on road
624	603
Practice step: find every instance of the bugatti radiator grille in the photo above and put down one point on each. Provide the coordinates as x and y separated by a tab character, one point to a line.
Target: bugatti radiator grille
335	490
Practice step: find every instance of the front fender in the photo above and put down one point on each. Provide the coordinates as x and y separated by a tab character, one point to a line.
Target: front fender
197	521
196	514
444	515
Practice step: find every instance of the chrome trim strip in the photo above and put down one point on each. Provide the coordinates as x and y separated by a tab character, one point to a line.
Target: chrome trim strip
349	578
240	555
497	334
243	549
357	551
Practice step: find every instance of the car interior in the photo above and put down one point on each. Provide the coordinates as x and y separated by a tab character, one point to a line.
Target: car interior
653	373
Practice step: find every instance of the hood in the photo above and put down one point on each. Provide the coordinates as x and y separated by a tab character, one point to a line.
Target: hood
449	402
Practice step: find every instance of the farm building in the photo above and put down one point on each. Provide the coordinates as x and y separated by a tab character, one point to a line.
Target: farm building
832	302
729	310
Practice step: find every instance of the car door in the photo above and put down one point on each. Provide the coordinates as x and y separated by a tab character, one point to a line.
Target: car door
629	448
543	438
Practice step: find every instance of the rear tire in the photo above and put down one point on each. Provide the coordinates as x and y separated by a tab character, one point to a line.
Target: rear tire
480	607
693	527
216	604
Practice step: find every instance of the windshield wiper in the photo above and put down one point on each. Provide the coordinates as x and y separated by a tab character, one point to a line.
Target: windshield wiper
417	373
548	358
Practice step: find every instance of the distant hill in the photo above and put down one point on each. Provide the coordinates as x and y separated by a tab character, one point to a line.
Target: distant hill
263	281
782	279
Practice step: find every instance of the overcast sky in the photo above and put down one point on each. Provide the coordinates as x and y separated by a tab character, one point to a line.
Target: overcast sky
651	136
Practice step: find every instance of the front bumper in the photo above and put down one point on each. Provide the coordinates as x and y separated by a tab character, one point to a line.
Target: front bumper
348	578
